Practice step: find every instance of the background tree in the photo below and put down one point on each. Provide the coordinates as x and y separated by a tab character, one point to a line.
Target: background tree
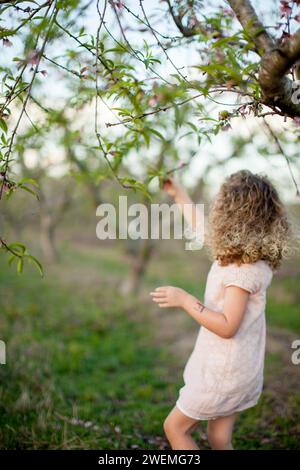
124	79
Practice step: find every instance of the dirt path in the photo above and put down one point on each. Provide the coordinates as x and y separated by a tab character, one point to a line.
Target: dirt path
287	381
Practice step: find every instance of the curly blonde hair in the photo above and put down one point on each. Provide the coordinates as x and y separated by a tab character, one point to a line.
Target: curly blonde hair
248	222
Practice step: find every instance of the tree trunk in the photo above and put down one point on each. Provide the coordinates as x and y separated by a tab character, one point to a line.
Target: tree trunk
47	234
137	268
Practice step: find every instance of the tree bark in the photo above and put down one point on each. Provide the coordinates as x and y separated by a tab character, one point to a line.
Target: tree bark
47	236
277	59
137	268
247	16
277	88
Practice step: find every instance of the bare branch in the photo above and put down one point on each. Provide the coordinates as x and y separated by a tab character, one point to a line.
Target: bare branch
155	111
162	47
185	31
23	109
14	2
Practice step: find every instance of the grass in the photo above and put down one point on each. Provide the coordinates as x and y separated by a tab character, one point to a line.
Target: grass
74	356
84	368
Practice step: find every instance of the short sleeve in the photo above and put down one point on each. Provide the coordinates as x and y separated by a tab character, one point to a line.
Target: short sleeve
245	276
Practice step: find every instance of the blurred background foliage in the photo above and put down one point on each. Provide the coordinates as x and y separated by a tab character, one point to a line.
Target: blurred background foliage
98	100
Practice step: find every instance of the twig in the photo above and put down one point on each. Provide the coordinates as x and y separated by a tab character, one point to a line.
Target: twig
98	56
4	245
62	66
10	95
137	17
155	111
282	152
14	132
187	32
105	153
162	47
133	52
36	10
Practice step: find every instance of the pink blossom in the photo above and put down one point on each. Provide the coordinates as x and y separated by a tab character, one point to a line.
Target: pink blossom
228	12
7	42
285	35
33	57
118	3
226	127
192	22
84	69
285	8
153	101
297	121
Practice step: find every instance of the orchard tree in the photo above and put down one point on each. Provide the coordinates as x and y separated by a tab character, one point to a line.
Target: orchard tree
184	63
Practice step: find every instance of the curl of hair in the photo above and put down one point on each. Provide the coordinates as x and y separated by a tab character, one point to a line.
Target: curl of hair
248	222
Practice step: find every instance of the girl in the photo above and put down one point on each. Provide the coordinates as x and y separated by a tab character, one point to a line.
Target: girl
248	233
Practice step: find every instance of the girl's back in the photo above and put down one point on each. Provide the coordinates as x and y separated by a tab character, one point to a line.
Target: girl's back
231	368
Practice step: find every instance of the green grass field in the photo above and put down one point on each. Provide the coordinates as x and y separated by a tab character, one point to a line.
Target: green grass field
88	369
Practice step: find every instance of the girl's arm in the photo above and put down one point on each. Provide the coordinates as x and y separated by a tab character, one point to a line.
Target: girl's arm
224	324
183	200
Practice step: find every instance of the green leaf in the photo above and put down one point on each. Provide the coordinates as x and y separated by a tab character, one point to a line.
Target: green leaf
193	126
11	259
29	181
146	136
136	185
18	248
155	132
25	188
3	125
20	265
36	263
213	70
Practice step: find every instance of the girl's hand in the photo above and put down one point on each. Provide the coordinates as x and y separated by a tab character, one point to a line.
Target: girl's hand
169	296
172	188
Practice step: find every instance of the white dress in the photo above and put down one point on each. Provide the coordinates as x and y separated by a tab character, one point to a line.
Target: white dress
223	376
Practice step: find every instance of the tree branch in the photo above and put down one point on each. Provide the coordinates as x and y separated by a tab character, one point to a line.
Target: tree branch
247	16
277	59
282	152
277	88
14	2
185	30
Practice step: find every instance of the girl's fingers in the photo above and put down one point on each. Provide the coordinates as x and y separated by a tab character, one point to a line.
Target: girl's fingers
159	300
156	295
160	289
159	296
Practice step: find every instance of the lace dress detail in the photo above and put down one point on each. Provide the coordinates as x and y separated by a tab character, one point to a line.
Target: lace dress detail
223	376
